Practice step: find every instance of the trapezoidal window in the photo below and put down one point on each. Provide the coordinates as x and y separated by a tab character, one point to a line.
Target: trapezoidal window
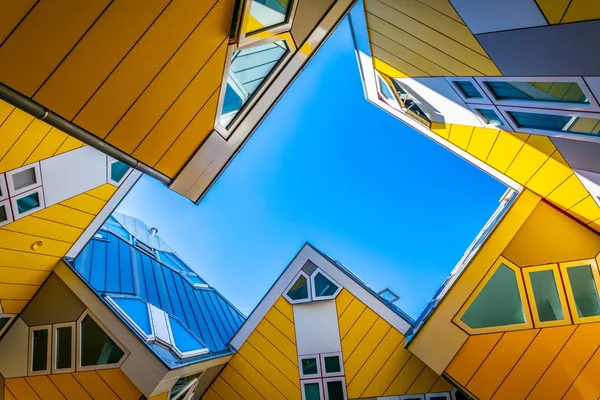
546	296
96	347
324	287
498	303
581	282
299	291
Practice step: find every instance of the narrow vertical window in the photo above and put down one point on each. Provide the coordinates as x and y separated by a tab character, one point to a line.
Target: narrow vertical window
546	296
40	350
64	347
581	280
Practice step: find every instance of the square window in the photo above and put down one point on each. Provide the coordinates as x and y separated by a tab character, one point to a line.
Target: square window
309	366
468	89
28	203
311	389
489	116
23	179
332	364
335	388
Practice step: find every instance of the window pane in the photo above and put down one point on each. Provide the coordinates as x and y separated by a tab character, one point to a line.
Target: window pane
97	348
184	340
28	202
335	390
24	178
584	291
385	91
411	104
182	387
554	92
323	286
311	391
64	342
173	261
3	322
332	364
546	297
489	116
498	303
556	123
265	14
249	68
137	310
299	290
468	89
40	350
309	366
3	216
196	279
118	170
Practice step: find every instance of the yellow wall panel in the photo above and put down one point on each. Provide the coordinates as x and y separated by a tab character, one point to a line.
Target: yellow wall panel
45	229
97	54
17	291
349	317
506	148
553	9
165	396
482	141
104	192
44	388
569	193
239	383
12	128
13	306
587	208
11	13
85	203
94	385
499	363
179	71
373	372
279	340
22	242
387	69
5	110
211	395
342	301
441	129
359	329
189	140
441	385
405	68
23	276
69	144
406	377
282	323
48	146
582	10
223	389
184	109
471	356
120	384
20	389
69	386
141	65
354	362
276	357
8	395
24	146
460	135
17	259
587	384
66	215
569	363
532	156
284	307
255	378
424	381
60	23
554	172
444	7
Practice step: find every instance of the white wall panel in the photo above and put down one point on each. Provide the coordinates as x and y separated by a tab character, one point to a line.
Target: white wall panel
72	173
483	16
317	328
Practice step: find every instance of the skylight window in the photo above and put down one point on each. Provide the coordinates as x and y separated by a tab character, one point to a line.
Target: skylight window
184	343
137	312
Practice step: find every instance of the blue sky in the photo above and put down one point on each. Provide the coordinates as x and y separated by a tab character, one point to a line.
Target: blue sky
330	168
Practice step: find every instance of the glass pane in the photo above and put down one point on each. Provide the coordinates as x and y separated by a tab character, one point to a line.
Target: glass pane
183	387
335	390
332	364
498	303
28	202
196	279
546	297
40	350
249	68
410	104
584	291
3	216
184	340
556	123
64	342
468	89
3	322
311	391
24	178
309	366
385	91
489	116
173	261
137	310
266	14
118	170
97	348
299	290
553	92
323	286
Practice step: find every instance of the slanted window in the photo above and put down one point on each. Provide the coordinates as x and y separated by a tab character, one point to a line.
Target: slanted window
490	117
96	348
184	388
532	91
265	14
582	282
173	261
136	312
39	350
324	287
546	296
497	302
556	122
184	343
112	225
468	89
388	295
299	291
64	347
5	212
117	171
5	322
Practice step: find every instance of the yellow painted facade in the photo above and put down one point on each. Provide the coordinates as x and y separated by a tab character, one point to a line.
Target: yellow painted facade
563	11
109	384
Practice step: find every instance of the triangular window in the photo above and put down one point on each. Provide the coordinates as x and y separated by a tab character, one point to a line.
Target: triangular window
324	286
499	303
97	348
299	291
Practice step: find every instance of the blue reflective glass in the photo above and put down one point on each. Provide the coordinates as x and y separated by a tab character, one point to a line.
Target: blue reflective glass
385	91
468	89
137	310
184	340
116	228
28	203
267	14
196	279
489	116
233	101
118	170
323	286
546	122
173	261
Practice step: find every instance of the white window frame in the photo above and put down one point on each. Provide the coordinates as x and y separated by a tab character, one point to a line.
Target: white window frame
428	396
318	381
593	106
109	162
159	324
184	354
14	199
38	179
505	125
8	208
313	290
130	320
485	99
558	134
245	39
11	318
453	393
306	357
339	378
378	80
188	392
3	187
72	325
186	276
78	365
308	284
324	372
30	371
413	397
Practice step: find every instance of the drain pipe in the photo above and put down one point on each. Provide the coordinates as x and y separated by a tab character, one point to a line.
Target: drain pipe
38	111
